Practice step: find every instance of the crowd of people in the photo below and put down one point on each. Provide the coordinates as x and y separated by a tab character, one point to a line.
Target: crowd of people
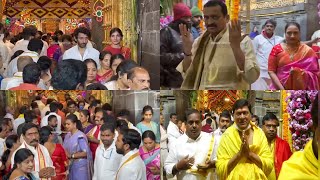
223	147
222	57
78	139
32	60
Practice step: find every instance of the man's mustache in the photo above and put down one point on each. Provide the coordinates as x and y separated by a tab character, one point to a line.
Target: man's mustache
212	25
35	140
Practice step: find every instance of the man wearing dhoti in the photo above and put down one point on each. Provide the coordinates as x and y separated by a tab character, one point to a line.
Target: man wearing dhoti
191	157
243	152
220	58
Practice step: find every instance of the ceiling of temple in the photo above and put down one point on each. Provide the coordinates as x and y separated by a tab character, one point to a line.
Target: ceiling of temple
48	8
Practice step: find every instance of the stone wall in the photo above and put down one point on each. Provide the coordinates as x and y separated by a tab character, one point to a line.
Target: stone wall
134	101
149	39
304	13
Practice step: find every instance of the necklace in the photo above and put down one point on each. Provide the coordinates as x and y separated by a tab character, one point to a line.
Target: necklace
292	53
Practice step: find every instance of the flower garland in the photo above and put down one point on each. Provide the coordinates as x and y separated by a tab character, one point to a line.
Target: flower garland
299	108
233	7
165	21
285	119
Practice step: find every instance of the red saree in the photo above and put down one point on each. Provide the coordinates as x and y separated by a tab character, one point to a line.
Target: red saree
126	52
59	159
282	153
300	73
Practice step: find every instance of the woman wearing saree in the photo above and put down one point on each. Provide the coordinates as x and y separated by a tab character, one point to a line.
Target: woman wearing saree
56	151
78	151
292	65
116	47
150	154
105	72
148	124
84	118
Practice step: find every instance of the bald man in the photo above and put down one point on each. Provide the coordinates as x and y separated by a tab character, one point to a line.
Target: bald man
138	79
16	80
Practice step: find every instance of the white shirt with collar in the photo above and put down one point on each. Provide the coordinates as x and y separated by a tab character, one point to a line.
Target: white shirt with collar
13	65
89	53
17	122
11	82
134	169
173	134
263	47
44	121
46	155
107	162
186	146
44	110
217	134
5	53
23	45
2	146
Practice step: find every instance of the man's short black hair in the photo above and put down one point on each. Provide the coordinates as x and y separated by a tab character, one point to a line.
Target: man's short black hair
191	111
58	32
270	21
217	3
51	117
269	116
108	126
27	126
82	30
96	86
131	137
69	74
31	73
172	114
240	104
29	116
29	31
54	106
106	107
23	109
35	45
44	63
209	121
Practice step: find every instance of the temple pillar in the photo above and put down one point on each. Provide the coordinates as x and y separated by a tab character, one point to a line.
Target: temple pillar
149	39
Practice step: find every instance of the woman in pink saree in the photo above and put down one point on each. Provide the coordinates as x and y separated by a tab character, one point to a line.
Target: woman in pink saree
292	65
150	154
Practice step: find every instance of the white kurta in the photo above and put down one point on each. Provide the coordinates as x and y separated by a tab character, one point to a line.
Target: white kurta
44	121
106	163
46	155
90	53
23	45
173	134
17	122
44	110
184	146
263	47
134	169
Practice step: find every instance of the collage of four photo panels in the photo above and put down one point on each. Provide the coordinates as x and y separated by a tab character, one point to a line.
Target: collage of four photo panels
159	89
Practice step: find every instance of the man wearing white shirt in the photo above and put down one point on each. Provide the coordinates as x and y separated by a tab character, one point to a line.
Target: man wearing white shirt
34	49
263	44
43	165
131	167
124	114
46	108
54	106
9	112
107	159
29	33
4	131
20	119
191	157
81	51
173	130
41	105
17	78
5	52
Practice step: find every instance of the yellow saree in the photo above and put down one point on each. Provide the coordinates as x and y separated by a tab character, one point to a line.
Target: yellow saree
230	145
301	165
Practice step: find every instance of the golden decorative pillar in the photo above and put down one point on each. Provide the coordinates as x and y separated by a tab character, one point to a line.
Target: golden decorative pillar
121	14
2	6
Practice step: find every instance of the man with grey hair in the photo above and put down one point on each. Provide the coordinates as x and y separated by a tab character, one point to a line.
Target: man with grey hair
17	79
263	44
138	79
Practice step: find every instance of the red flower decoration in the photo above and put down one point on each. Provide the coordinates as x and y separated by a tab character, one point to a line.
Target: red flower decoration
307	116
